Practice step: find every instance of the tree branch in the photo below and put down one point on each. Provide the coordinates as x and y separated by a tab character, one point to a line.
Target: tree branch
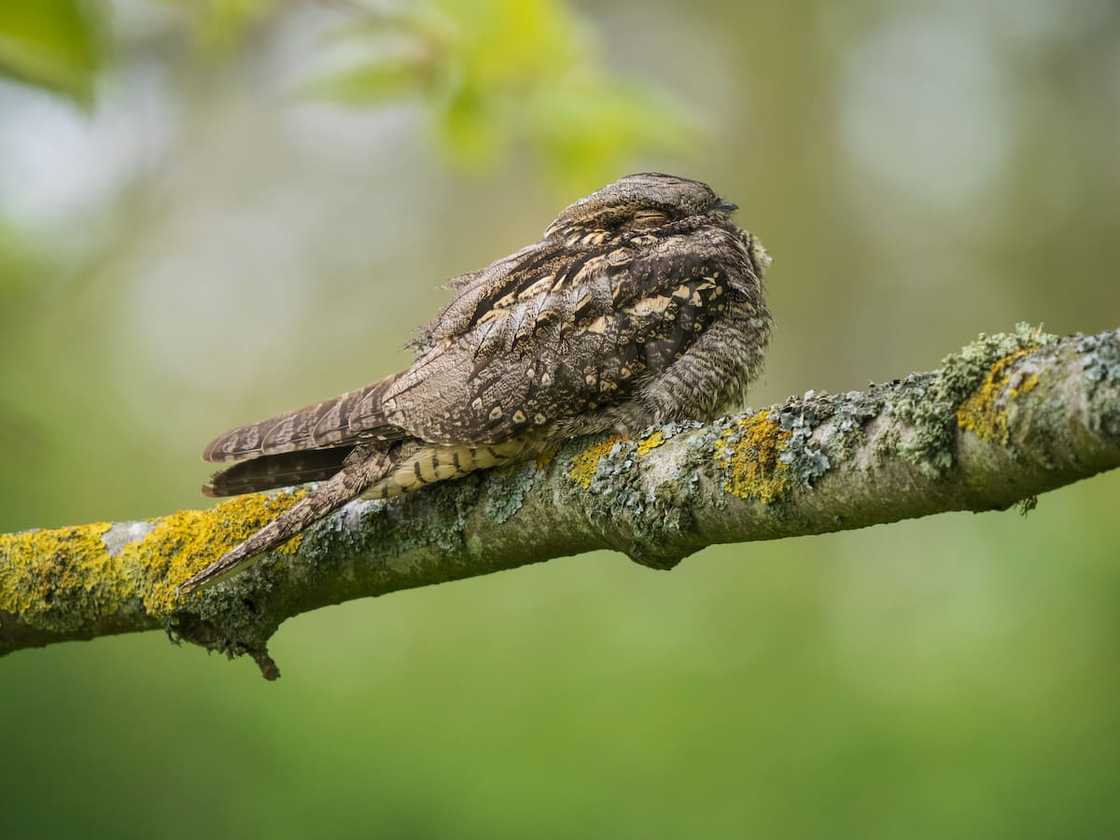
1008	417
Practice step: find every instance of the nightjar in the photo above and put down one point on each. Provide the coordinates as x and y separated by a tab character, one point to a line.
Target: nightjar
643	303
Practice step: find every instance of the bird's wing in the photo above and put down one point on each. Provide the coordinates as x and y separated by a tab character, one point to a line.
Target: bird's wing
356	416
322	425
556	335
539	337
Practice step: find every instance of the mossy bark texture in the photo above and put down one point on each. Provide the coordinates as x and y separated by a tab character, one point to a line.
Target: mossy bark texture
1006	418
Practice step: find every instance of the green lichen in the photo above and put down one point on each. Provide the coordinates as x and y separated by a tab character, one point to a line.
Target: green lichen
507	488
435	517
804	455
1100	359
853	411
610	484
887	445
929	403
612	491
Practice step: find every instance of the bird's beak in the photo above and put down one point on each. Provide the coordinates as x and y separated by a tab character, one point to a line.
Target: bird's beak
727	206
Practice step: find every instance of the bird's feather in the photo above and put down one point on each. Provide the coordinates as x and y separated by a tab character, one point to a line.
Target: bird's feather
283	469
642	303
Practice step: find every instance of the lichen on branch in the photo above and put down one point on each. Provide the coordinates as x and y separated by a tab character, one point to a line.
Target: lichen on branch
1009	416
68	579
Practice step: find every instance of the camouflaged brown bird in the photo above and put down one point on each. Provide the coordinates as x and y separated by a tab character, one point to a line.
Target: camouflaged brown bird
642	304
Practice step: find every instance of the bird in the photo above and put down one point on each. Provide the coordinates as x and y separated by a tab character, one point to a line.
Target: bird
643	303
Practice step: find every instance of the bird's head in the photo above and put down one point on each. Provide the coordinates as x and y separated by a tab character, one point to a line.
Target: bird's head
647	199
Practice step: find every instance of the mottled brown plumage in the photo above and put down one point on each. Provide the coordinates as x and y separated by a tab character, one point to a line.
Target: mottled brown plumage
643	303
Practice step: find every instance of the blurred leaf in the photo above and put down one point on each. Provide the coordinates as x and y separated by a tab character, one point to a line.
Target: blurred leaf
221	24
421	19
55	44
496	72
588	131
372	82
520	43
468	128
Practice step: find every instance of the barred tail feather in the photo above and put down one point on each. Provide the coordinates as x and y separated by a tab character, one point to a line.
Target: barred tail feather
322	425
283	470
363	468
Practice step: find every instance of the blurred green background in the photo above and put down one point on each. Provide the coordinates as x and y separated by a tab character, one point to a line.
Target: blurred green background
213	211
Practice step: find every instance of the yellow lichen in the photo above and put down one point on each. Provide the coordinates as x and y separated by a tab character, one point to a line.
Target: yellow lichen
752	462
1028	384
56	579
188	541
650	443
545	456
585	464
66	579
984	413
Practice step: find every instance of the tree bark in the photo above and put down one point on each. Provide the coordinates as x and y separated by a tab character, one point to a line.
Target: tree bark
1006	418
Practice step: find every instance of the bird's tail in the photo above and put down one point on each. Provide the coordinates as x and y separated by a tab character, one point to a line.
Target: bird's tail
283	470
322	425
363	467
365	471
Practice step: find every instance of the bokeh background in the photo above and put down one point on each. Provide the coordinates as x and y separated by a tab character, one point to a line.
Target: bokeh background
213	211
